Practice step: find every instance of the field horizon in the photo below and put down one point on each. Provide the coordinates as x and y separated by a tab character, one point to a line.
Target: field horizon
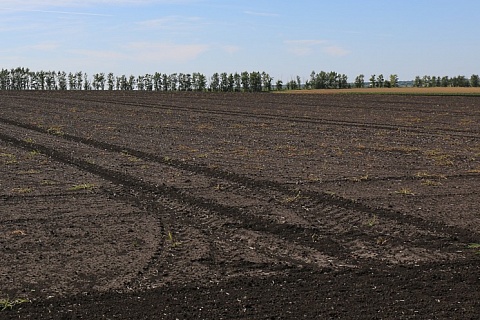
474	91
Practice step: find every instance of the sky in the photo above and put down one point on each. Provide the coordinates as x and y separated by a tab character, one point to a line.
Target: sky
283	38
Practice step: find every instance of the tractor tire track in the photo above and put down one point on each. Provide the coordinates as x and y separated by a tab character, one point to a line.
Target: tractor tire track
147	195
203	109
321	238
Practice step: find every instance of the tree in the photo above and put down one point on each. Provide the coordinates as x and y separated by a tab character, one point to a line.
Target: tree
279	85
79	81
110	81
157	81
266	81
62	80
50	80
173	81
86	83
393	80
343	82
131	82
215	82
98	81
245	80
255	81
238	82
165	82
231	82
332	80
417	82
360	81
224	82
380	81
372	81
140	83
202	82
474	80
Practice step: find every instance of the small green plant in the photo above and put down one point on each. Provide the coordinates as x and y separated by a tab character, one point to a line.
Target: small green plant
8	158
22	190
171	239
46	182
474	246
7	303
294	198
34	153
130	157
56	130
361	178
30	171
405	191
84	186
372	221
381	241
431	183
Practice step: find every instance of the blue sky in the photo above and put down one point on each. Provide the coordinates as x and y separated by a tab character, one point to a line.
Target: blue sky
283	38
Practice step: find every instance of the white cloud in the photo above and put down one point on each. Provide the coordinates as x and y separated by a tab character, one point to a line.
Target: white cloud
45	46
303	47
336	51
231	49
100	54
309	47
66	3
172	23
21	5
262	14
166	51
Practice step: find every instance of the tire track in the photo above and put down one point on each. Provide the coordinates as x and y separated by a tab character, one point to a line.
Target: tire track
148	196
253	184
268	116
323	239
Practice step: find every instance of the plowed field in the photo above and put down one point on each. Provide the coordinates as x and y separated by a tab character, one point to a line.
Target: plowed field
135	205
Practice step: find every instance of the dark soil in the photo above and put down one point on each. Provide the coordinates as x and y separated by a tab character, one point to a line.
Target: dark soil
136	205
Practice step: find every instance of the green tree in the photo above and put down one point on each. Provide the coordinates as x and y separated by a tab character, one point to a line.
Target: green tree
157	81
380	81
474	80
279	85
238	82
62	80
86	82
215	82
245	80
231	82
360	81
110	81
372	81
202	82
255	81
393	80
266	81
79	81
173	81
224	82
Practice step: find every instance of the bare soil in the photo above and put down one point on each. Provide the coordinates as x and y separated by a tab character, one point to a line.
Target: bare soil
136	205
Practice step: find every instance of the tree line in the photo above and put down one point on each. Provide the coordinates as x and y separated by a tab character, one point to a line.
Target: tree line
24	79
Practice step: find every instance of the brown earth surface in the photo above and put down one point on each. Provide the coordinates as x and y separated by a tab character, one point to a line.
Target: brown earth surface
136	205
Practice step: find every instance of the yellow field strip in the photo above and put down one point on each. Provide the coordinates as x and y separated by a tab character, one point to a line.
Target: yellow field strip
409	90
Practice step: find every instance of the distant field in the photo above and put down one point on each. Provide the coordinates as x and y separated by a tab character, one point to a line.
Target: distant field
419	91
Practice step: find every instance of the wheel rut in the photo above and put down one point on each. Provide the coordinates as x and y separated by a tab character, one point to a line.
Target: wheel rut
317	221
